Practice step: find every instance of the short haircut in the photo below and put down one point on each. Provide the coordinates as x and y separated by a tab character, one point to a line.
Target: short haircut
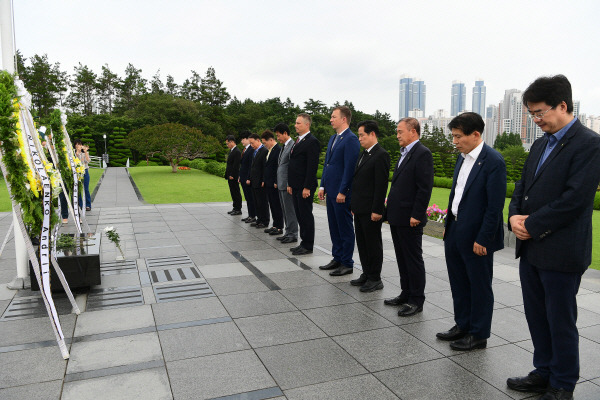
412	123
306	118
281	128
551	90
230	138
254	136
77	141
468	123
245	134
267	135
369	126
345	111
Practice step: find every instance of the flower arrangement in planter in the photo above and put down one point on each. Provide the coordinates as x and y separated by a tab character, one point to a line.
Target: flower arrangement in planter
113	236
184	168
435	213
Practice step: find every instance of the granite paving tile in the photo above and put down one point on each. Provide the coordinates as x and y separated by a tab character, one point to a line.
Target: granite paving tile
275	266
218	375
296	279
31	366
34	391
257	303
309	362
585	391
235	285
33	330
316	296
224	270
112	320
355	387
346	318
188	310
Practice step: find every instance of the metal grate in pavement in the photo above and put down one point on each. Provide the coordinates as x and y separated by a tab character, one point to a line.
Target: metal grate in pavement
170	261
101	299
182	291
33	307
118	267
174	274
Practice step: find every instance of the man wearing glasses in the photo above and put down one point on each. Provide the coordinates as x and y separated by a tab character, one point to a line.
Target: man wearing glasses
551	215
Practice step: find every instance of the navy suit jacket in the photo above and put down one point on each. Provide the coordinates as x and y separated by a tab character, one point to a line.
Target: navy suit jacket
258	167
340	162
482	204
559	201
246	164
270	174
304	162
411	188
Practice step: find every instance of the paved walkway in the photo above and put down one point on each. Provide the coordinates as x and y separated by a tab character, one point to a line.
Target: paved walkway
207	307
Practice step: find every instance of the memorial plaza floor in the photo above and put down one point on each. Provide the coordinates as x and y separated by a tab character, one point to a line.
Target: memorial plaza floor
207	307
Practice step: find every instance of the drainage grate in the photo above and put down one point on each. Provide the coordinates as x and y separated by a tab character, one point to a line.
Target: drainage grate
171	261
183	291
118	267
175	274
33	307
100	299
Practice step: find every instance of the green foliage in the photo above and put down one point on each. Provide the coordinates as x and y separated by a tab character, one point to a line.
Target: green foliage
61	152
510	188
184	163
145	163
514	157
198	163
215	168
118	151
505	140
442	182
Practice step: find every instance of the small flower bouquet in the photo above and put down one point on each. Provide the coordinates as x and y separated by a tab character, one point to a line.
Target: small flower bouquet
435	213
113	236
183	168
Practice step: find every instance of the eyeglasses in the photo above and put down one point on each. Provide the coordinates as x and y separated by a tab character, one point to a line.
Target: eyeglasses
538	115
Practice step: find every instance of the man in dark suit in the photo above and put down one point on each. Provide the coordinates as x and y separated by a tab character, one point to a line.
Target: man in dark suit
245	165
551	215
406	210
302	182
270	182
287	202
255	180
232	173
369	187
474	231
336	183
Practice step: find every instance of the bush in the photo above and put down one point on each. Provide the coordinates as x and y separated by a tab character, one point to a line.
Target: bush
198	163
441	182
597	201
510	188
143	163
184	163
320	172
215	168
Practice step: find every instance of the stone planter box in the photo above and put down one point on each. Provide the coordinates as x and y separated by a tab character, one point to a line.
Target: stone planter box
434	228
80	264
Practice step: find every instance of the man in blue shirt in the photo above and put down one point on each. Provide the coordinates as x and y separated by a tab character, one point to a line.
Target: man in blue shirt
551	215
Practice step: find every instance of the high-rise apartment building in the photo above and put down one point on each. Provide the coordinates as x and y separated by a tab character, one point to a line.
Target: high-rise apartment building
479	98
459	98
412	96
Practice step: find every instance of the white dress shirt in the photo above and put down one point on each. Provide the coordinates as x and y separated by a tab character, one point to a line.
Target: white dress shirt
463	175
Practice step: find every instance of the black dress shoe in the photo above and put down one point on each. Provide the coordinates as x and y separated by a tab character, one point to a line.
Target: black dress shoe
292	249
361	280
236	212
254	223
301	251
259	226
229	212
288	240
269	230
250	220
371	286
408	310
530	383
468	343
280	238
276	231
453	334
396	301
557	394
341	270
332	265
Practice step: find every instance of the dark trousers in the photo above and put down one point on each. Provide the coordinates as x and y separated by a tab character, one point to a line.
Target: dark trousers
409	256
471	285
249	199
261	204
341	230
86	189
236	196
306	220
64	207
370	245
275	206
551	312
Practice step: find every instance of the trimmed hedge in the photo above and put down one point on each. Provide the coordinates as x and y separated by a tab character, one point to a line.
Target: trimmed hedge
210	166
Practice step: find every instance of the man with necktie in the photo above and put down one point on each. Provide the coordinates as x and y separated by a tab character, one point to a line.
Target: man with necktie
232	174
287	203
245	166
255	180
270	182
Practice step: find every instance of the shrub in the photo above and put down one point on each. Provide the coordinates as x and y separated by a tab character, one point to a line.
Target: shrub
215	168
439	181
184	163
510	188
320	172
198	163
143	163
597	201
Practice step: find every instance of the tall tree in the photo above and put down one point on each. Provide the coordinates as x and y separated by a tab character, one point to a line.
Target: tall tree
107	85
172	87
190	89
82	98
156	85
130	88
45	81
212	91
507	139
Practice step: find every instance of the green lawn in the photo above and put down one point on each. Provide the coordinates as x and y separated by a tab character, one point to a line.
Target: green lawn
159	185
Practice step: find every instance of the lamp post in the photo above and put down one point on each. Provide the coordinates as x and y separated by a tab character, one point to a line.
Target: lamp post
105	158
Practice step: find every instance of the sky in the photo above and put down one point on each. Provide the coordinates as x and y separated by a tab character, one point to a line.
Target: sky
327	50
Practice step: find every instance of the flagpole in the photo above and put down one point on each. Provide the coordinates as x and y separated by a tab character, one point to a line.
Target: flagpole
8	63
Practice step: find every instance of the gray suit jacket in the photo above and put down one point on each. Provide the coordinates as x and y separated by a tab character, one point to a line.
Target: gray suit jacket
282	169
